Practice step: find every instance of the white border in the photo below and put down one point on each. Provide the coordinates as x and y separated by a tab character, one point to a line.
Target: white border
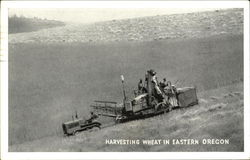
120	155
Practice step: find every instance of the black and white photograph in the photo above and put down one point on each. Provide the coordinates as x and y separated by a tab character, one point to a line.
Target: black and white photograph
126	79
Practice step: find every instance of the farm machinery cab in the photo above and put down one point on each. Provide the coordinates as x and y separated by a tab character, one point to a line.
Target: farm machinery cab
151	99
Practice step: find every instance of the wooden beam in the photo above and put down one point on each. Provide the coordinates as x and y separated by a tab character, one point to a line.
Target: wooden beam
106	102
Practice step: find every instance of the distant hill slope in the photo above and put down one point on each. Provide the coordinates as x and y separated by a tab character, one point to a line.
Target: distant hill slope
23	24
200	24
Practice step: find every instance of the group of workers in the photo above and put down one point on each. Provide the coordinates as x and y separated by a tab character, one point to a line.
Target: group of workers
160	88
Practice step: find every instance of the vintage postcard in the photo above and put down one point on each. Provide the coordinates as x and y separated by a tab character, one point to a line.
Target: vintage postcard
124	80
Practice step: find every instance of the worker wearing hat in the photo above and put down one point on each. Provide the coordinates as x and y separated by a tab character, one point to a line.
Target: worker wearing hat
140	86
155	81
92	117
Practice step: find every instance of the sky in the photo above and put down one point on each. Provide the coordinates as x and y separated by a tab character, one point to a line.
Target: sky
90	15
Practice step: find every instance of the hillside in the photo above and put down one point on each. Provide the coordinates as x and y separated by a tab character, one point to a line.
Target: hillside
47	83
54	72
219	115
201	24
23	24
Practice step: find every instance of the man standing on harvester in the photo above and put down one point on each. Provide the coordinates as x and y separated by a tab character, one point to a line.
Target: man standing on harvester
92	117
154	80
163	84
140	87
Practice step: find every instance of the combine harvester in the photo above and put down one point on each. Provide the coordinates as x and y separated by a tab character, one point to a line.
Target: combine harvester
152	99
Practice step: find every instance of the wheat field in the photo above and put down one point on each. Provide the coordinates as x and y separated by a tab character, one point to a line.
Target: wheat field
48	82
